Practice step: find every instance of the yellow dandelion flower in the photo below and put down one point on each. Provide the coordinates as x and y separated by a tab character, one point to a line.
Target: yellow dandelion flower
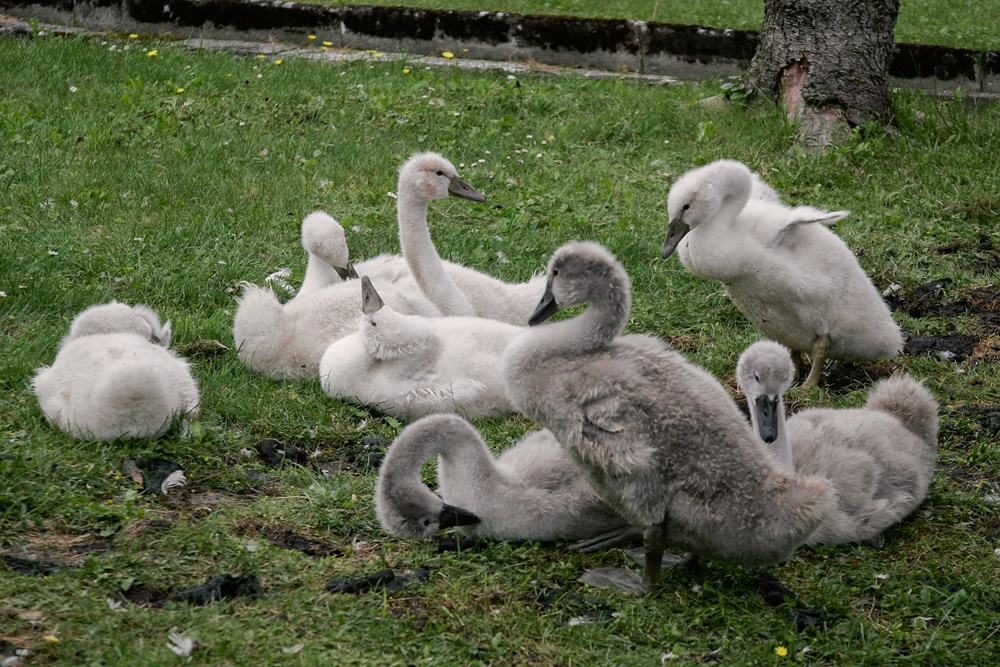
278	62
406	71
312	36
327	43
465	50
180	90
448	54
378	55
261	57
152	53
781	650
51	639
322	48
133	36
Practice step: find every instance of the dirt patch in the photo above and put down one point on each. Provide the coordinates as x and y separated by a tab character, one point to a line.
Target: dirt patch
384	580
844	377
289	539
52	552
954	347
274	453
987	416
938	299
31	565
223	587
358	457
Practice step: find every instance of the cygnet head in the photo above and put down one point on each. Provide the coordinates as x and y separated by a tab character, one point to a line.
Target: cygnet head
385	333
765	372
700	195
405	507
117	317
324	237
583	272
429	176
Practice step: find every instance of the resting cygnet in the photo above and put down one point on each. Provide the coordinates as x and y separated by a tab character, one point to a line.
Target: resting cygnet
880	458
410	366
286	341
659	439
114	378
794	279
531	492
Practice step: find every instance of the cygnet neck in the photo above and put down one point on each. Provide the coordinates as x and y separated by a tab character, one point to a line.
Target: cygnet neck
780	448
421	255
598	326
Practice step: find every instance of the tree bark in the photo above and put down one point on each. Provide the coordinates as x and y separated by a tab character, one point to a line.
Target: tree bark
826	62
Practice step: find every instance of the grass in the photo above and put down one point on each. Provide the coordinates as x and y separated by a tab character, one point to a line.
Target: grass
170	178
957	24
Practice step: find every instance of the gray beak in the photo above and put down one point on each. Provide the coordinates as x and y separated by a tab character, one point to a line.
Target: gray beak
547	307
346	274
456	516
675	232
370	300
459	188
767	417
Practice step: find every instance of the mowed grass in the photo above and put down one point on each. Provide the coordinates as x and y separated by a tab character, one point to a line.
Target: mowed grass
960	24
169	178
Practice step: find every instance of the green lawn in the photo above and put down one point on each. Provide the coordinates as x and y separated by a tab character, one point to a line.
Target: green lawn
170	178
970	24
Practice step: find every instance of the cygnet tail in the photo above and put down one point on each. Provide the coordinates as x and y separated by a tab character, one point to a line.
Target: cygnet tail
259	328
132	401
911	403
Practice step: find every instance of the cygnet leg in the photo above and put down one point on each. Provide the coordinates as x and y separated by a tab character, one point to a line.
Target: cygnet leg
818	357
654	543
797	361
614	538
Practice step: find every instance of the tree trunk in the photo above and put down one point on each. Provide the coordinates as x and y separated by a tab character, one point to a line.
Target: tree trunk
826	62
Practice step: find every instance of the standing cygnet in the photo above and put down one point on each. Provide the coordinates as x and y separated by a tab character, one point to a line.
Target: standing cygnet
410	366
880	458
531	492
114	377
658	438
286	341
794	279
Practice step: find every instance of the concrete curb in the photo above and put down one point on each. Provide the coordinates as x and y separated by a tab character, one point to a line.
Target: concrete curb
689	52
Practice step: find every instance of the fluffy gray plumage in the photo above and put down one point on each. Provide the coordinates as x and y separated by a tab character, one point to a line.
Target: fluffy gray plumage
658	438
880	458
531	492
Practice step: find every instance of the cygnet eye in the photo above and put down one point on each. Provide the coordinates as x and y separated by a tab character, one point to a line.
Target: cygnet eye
440	173
756	378
374	325
555	272
427	522
685	207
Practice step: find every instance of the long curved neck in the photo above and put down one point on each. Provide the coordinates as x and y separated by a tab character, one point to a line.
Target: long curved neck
422	257
319	274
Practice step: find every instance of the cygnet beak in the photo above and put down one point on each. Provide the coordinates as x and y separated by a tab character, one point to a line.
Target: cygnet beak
675	232
547	307
459	188
370	300
456	516
346	274
767	417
